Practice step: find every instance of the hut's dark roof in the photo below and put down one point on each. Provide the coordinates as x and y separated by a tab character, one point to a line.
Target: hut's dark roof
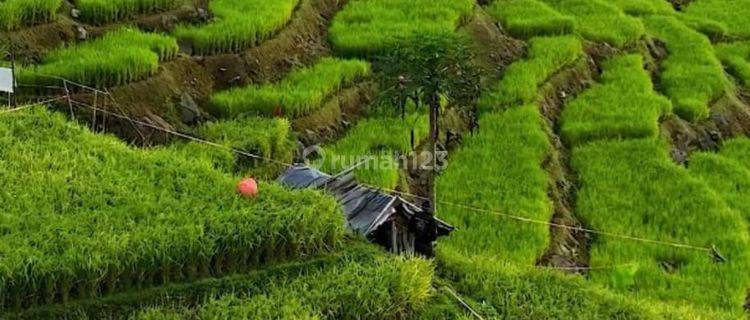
366	209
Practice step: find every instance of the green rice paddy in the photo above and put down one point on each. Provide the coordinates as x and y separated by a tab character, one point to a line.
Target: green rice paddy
300	93
131	55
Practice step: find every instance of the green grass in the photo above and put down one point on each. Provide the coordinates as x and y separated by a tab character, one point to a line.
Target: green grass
520	84
387	288
268	138
84	215
633	188
601	21
180	296
730	14
131	55
381	139
499	169
366	27
691	75
237	25
303	91
737	149
17	13
501	291
622	105
530	18
727	172
644	7
736	59
104	11
728	178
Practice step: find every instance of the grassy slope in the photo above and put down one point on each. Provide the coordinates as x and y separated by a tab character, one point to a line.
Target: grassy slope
530	18
381	139
730	14
520	84
499	169
622	105
691	75
632	187
727	172
237	25
601	21
17	13
82	211
736	59
103	11
386	288
366	27
303	91
131	55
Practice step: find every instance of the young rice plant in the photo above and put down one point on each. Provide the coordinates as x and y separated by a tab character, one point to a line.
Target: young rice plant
303	91
119	57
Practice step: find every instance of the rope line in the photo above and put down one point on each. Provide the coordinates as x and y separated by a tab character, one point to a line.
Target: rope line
458	205
30	105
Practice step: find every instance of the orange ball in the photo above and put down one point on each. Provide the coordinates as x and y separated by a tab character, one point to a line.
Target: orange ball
248	188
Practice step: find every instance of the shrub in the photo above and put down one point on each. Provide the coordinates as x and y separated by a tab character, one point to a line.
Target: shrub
103	11
303	91
732	14
522	79
691	57
367	27
88	215
530	18
601	21
131	55
736	58
237	25
18	13
387	288
499	169
622	105
381	139
632	187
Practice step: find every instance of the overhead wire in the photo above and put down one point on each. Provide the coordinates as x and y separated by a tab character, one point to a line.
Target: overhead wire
448	203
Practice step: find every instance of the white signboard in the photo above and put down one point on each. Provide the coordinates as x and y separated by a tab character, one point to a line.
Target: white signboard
6	80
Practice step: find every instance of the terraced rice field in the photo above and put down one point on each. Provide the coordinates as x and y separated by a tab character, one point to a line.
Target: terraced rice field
598	170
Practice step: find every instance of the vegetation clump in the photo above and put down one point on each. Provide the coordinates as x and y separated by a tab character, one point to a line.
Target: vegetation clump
386	288
85	215
728	14
622	105
664	203
131	55
383	142
499	169
736	58
520	84
237	25
303	91
601	21
17	13
691	75
530	18
104	11
367	27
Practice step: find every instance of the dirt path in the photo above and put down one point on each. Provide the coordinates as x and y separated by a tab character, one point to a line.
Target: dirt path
568	248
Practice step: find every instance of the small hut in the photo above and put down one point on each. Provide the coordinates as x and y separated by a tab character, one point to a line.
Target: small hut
388	220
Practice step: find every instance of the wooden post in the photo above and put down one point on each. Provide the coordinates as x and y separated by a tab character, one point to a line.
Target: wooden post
12	51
